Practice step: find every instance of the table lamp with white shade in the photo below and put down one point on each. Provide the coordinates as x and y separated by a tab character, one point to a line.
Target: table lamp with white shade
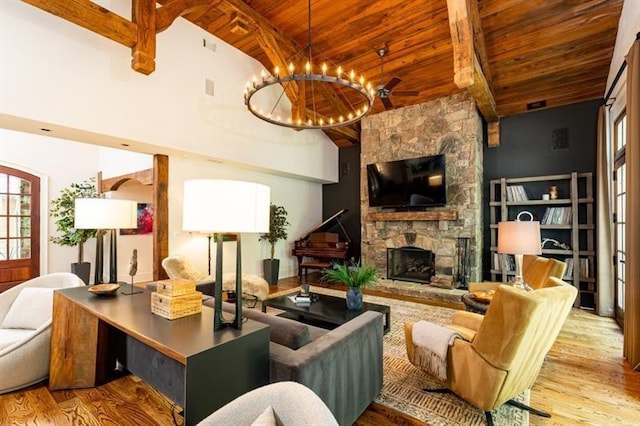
519	238
225	206
105	214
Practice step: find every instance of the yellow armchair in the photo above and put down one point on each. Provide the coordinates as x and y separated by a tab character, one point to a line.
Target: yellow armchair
535	271
506	347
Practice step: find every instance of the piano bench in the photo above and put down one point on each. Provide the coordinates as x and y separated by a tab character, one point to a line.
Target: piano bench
304	266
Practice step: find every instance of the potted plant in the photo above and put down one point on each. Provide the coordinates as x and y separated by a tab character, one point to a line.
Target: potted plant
277	231
63	209
355	276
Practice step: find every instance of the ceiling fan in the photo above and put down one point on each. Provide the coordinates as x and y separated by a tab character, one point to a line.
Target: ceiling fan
385	90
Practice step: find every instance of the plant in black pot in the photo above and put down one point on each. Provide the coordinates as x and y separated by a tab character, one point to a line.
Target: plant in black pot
355	276
63	210
277	231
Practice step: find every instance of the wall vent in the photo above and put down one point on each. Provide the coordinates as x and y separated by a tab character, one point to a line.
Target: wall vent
536	105
209	87
560	139
208	44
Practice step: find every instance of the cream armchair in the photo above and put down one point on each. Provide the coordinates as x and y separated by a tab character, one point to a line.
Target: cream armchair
25	329
506	347
535	271
282	403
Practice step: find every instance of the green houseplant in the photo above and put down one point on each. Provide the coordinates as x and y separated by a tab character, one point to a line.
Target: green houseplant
63	210
277	231
355	276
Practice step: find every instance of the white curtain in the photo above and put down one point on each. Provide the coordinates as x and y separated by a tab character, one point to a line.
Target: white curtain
604	278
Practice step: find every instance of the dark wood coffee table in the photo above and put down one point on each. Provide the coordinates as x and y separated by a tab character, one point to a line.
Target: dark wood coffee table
327	312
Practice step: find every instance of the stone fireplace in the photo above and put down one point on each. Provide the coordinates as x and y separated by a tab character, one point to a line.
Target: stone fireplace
449	126
410	264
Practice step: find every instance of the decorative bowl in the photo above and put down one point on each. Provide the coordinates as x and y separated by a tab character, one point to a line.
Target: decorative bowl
484	296
104	289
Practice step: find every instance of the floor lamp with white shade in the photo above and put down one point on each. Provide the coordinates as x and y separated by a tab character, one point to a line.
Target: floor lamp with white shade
106	214
218	206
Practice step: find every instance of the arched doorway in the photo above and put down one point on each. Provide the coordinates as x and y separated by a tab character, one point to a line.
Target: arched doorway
19	227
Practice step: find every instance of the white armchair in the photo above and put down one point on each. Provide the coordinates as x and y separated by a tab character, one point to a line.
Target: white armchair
291	403
25	329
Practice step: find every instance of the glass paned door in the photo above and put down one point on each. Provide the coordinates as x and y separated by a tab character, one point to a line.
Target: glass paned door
619	205
19	227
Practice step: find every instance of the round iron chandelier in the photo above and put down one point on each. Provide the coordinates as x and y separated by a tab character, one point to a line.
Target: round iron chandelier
354	91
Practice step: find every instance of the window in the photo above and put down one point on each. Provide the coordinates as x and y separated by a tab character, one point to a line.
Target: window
619	207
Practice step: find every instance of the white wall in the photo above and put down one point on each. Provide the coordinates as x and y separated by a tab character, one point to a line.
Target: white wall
55	72
628	27
301	199
59	163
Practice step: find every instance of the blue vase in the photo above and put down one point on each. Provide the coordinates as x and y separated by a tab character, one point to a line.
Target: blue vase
354	299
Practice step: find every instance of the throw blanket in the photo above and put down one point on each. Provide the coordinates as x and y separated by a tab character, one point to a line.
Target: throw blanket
430	346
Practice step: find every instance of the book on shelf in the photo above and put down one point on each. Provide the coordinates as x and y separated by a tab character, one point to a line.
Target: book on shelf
556	216
516	193
584	268
509	259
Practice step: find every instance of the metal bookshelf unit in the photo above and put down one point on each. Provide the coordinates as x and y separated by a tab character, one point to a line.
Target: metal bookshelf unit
567	227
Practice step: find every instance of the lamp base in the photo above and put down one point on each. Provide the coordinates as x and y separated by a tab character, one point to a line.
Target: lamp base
128	289
518	282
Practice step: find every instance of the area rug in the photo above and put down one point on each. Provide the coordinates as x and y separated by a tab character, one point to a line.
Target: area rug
403	383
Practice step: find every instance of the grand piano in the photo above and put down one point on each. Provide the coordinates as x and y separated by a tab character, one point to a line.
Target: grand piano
322	246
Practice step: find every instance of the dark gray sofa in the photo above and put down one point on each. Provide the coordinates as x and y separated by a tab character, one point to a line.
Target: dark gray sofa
342	366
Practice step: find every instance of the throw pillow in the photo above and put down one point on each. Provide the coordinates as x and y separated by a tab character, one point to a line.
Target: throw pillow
267	418
31	308
178	267
251	284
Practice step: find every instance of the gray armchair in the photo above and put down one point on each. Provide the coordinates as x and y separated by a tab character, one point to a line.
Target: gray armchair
342	366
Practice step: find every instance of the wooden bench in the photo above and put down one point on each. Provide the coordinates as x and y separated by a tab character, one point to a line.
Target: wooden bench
305	266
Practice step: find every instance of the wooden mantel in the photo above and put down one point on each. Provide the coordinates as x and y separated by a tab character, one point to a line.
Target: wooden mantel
407	216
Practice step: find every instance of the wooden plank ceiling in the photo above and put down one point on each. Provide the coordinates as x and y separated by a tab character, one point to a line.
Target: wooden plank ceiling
543	50
508	53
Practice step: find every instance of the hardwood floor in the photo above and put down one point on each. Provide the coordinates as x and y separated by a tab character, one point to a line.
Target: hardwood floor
584	380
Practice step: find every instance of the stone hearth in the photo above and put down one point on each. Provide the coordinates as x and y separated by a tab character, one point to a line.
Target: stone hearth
449	126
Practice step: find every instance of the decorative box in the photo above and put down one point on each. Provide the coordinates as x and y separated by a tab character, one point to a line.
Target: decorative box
175	287
173	307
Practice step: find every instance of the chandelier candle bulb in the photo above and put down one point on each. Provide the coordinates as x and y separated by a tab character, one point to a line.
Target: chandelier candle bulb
361	80
339	72
324	70
276	72
352	76
307	68
291	68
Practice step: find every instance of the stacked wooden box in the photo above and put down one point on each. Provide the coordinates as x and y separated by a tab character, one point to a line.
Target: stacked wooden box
176	298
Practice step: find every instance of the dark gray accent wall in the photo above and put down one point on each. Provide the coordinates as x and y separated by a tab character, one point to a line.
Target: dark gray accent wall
548	142
346	195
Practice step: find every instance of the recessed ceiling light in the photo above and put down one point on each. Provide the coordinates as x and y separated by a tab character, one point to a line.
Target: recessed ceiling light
45	130
124	144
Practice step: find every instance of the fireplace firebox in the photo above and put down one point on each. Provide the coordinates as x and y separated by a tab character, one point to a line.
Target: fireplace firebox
410	264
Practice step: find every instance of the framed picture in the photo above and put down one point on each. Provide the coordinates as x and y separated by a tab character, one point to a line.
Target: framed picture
145	221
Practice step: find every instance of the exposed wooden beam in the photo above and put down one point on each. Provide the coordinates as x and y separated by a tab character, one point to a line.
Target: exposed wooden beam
462	42
468	71
139	34
172	9
278	57
161	214
279	48
479	42
493	130
143	53
482	94
345	132
93	17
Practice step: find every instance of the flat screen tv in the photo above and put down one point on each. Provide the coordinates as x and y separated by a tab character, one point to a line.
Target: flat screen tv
408	184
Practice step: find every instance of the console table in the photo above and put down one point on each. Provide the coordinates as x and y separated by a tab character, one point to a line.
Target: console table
184	359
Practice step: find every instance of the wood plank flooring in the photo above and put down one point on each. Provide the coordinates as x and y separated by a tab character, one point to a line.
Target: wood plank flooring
584	380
